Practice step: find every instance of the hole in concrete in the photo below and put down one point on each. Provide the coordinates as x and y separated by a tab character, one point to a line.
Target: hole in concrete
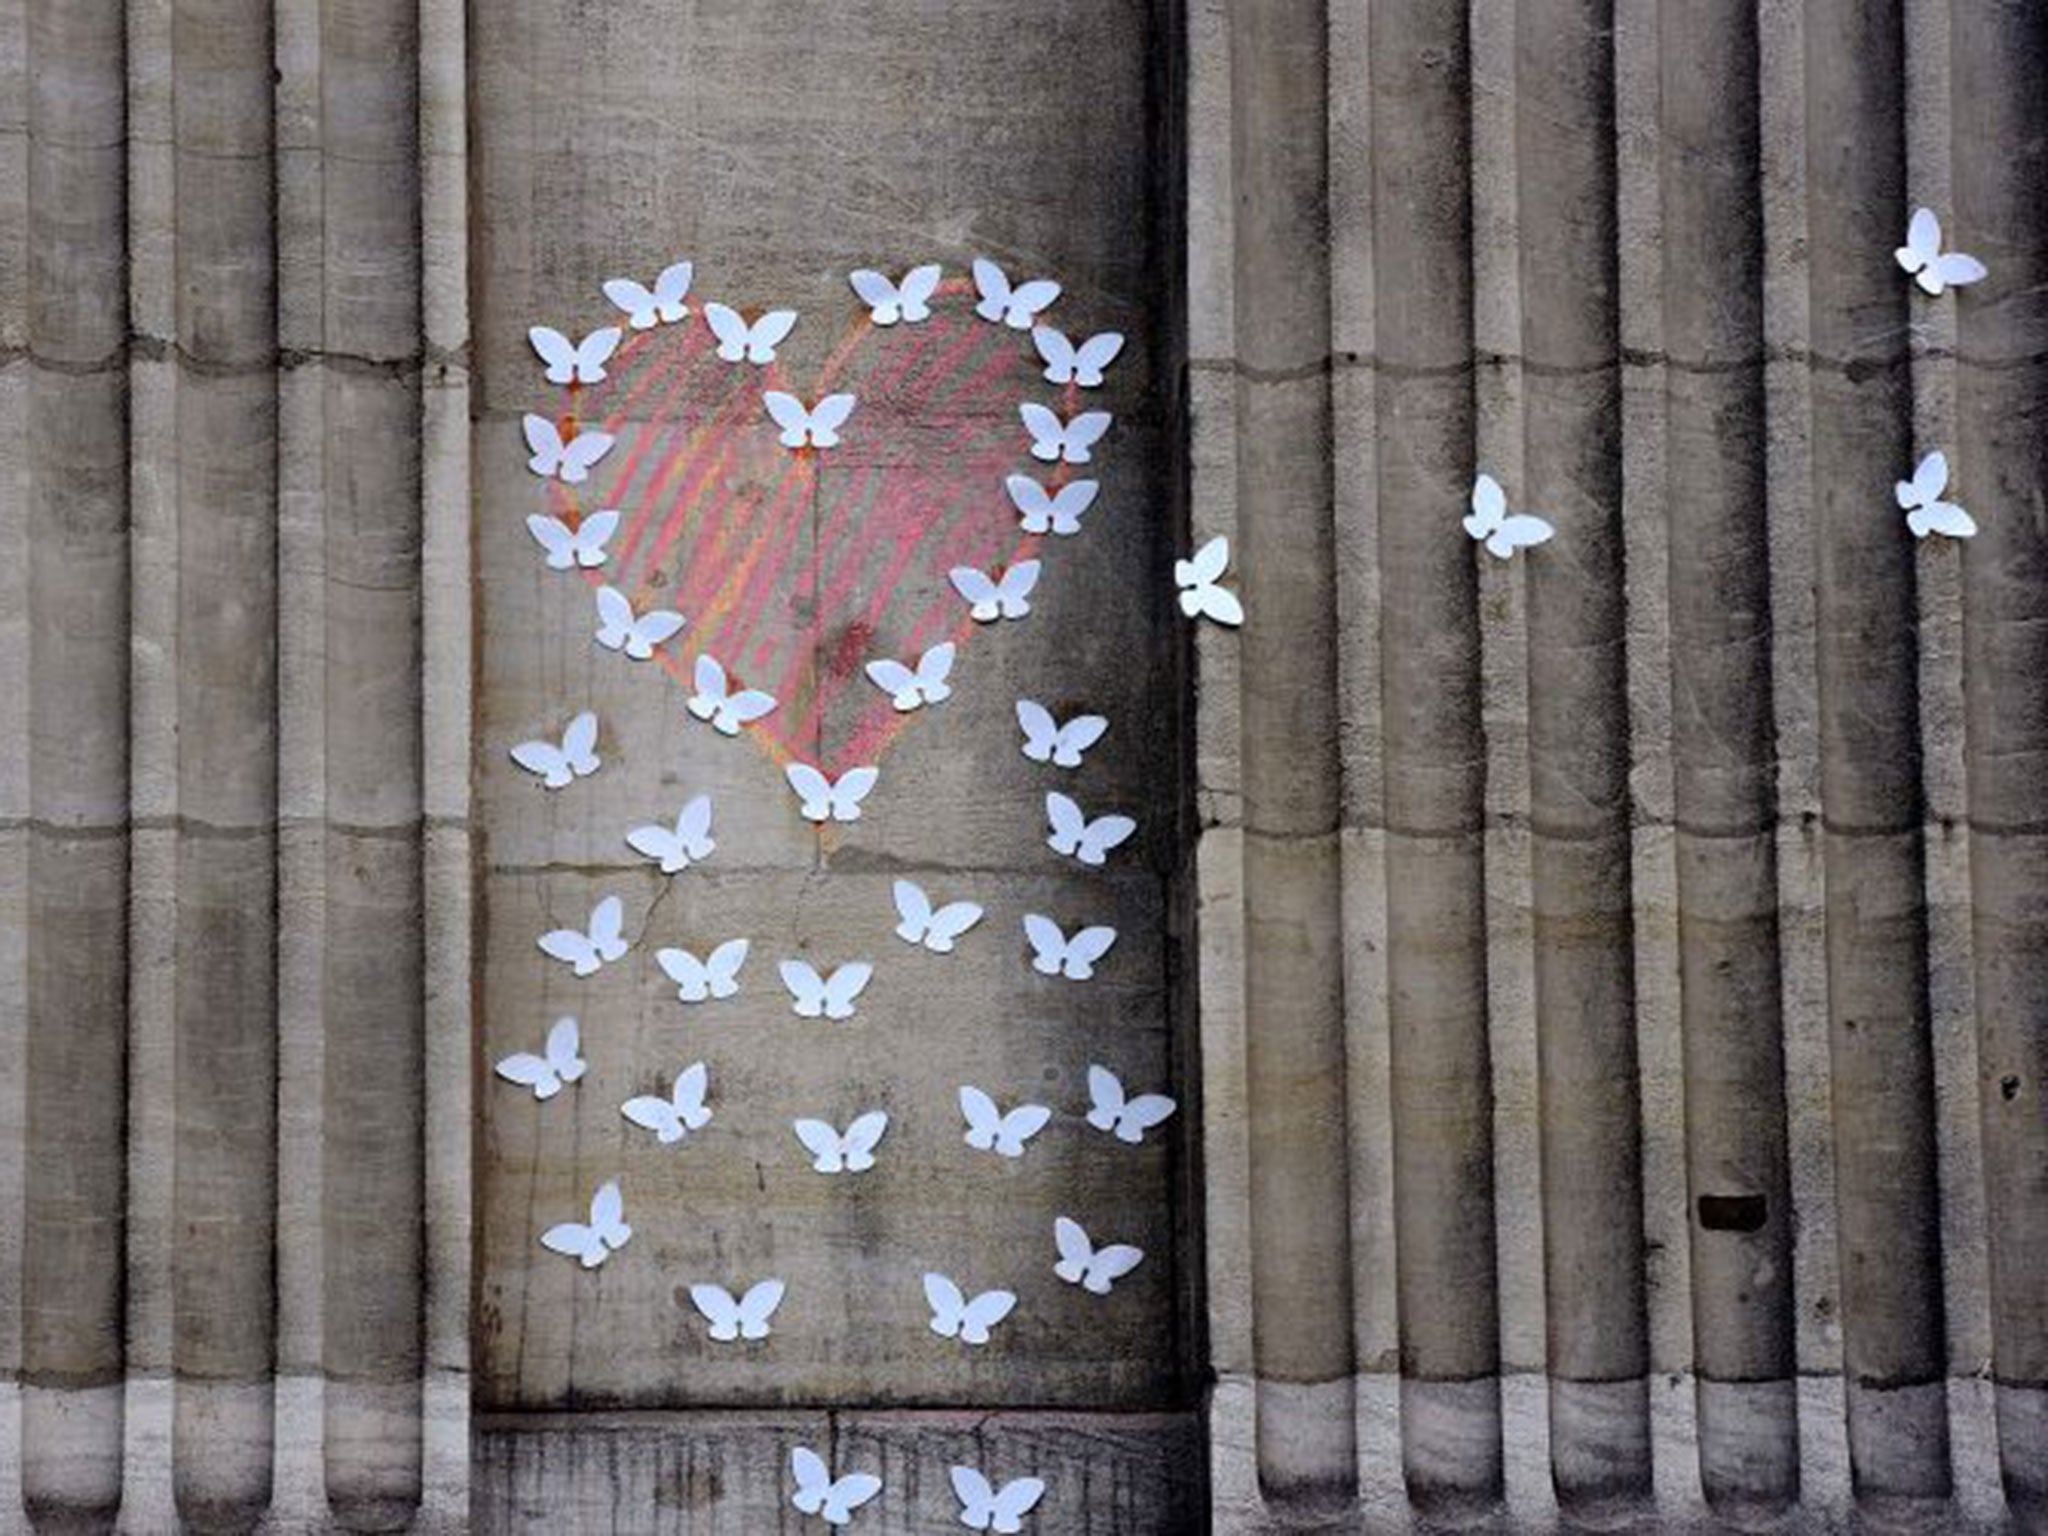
1733	1213
2009	1088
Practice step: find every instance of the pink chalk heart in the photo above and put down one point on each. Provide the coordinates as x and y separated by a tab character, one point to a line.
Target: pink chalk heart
797	567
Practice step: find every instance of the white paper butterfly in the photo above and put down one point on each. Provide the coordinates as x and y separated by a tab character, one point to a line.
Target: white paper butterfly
594	1242
1015	307
739	342
618	630
568	548
1067	364
1073	833
990	1130
717	975
908	689
1047	741
681	1112
1057	955
1082	1263
1042	512
934	929
664	305
956	1317
559	1062
851	1152
570	461
993	600
714	700
1926	512
746	1318
574	362
1490	523
837	799
1054	441
1199	595
889	302
559	766
813	427
983	1508
817	1494
592	949
831	995
688	842
1922	256
1129	1118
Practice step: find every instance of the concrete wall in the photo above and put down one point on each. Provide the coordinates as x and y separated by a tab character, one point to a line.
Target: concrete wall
1605	992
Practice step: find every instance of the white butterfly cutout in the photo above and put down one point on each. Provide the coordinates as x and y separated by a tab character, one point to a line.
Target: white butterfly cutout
1082	1263
1016	307
744	1318
1109	1110
993	600
831	799
1054	441
887	302
739	342
688	842
590	950
984	1508
908	689
818	1494
954	1316
1066	363
831	996
1200	597
991	1130
1926	512
851	1151
681	1112
559	766
558	1063
574	362
571	461
598	1239
619	630
1047	741
717	975
1058	512
715	701
569	548
1073	833
814	426
1922	256
1490	523
645	308
1057	955
934	928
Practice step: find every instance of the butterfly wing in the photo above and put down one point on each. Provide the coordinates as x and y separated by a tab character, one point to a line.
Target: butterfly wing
851	789
827	417
688	1096
594	352
656	1115
544	443
1019	1497
672	287
1084	949
813	788
1019	1126
1489	506
530	1071
1083	433
1096	354
1075	498
848	1494
884	302
1027	300
1068	825
591	534
641	308
1955	270
553	535
1522	531
1058	353
1048	436
1105	1098
984	1120
949	1306
948	923
828	1155
709	676
844	985
933	668
722	966
983	1313
546	759
743	708
692	979
607	923
1048	944
993	284
650	630
614	618
1141	1114
608	1215
556	350
1076	737
565	1040
863	1135
813	1480
572	947
693	828
574	1240
977	1498
1041	735
1103	834
1218	603
1075	1250
917	288
730	329
581	453
806	987
767	334
1923	241
1943	517
719	1309
757	1306
1111	1264
1013	592
896	680
915	910
982	596
1034	506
